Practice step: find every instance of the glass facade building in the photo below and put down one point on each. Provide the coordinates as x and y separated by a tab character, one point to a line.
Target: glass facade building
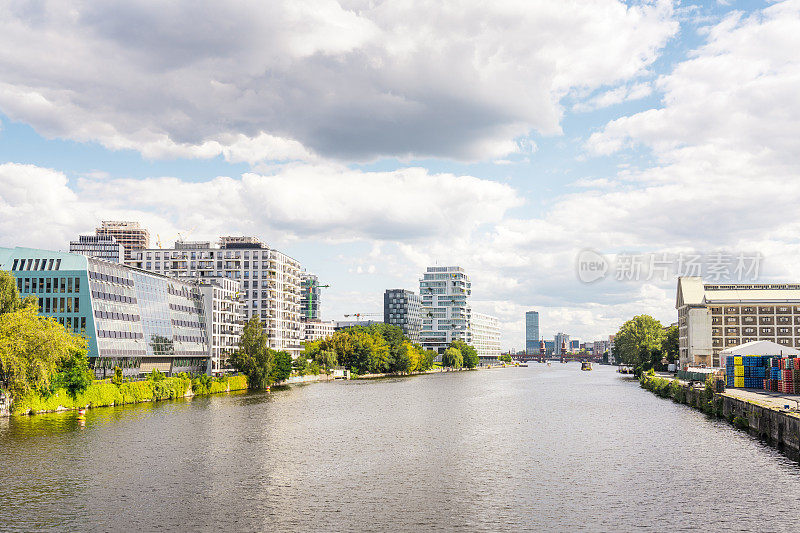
133	319
532	332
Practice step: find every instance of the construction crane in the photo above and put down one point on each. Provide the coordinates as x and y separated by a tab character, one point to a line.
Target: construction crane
359	315
313	283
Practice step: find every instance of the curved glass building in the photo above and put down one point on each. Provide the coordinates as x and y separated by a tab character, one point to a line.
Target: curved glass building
131	318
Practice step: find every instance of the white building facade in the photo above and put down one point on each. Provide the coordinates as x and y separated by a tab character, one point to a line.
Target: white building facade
446	311
486	335
224	315
269	280
317	329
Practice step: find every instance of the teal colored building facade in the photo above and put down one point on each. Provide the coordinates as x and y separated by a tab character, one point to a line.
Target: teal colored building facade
133	319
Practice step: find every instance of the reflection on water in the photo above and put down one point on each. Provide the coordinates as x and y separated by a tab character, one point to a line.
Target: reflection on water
516	448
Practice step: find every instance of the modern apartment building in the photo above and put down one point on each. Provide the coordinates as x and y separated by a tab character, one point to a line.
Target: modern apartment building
130	235
317	329
270	280
486	336
532	332
310	293
446	312
712	317
98	246
136	320
224	316
600	347
402	308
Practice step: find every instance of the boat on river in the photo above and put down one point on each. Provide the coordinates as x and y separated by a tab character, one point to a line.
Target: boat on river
586	365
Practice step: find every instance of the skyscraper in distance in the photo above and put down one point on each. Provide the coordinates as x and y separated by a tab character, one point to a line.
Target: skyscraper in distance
532	332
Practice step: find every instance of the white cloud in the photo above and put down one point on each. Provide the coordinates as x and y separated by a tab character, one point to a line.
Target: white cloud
293	79
737	94
326	202
618	95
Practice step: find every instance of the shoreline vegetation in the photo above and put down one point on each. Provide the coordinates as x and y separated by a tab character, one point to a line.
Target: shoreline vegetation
107	393
703	399
45	368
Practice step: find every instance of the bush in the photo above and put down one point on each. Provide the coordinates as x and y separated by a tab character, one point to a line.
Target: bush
237	382
740	422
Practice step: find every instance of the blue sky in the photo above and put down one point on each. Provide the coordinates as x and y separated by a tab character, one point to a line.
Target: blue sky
369	140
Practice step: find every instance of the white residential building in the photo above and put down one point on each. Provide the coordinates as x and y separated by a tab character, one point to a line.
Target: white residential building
317	329
446	312
486	335
712	317
224	316
270	280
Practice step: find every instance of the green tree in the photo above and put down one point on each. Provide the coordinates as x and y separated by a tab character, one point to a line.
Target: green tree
253	358
300	365
506	358
428	356
452	358
468	353
281	367
32	348
669	345
638	342
74	374
327	360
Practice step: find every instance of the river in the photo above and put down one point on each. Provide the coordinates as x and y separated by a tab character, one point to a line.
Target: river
503	449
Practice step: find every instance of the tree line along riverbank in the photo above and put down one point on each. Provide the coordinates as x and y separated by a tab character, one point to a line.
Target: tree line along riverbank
44	366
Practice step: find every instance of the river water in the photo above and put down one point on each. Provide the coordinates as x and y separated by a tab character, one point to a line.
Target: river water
503	449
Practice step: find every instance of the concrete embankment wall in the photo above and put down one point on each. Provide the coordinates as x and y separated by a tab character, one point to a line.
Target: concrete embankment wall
778	427
309	378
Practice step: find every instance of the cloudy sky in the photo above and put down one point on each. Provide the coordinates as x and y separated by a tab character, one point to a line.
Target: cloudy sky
372	138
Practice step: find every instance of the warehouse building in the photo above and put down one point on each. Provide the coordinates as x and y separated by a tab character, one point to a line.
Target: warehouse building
712	317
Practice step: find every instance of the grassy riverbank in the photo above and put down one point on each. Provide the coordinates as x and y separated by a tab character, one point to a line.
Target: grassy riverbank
105	393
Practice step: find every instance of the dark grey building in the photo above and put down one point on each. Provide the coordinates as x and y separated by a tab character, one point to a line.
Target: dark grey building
402	308
98	246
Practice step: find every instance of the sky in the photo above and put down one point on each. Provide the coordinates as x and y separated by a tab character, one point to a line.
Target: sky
573	156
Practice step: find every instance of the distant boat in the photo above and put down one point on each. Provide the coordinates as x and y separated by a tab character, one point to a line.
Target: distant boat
586	365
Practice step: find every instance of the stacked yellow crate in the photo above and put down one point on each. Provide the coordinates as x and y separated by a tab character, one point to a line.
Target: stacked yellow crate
738	372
